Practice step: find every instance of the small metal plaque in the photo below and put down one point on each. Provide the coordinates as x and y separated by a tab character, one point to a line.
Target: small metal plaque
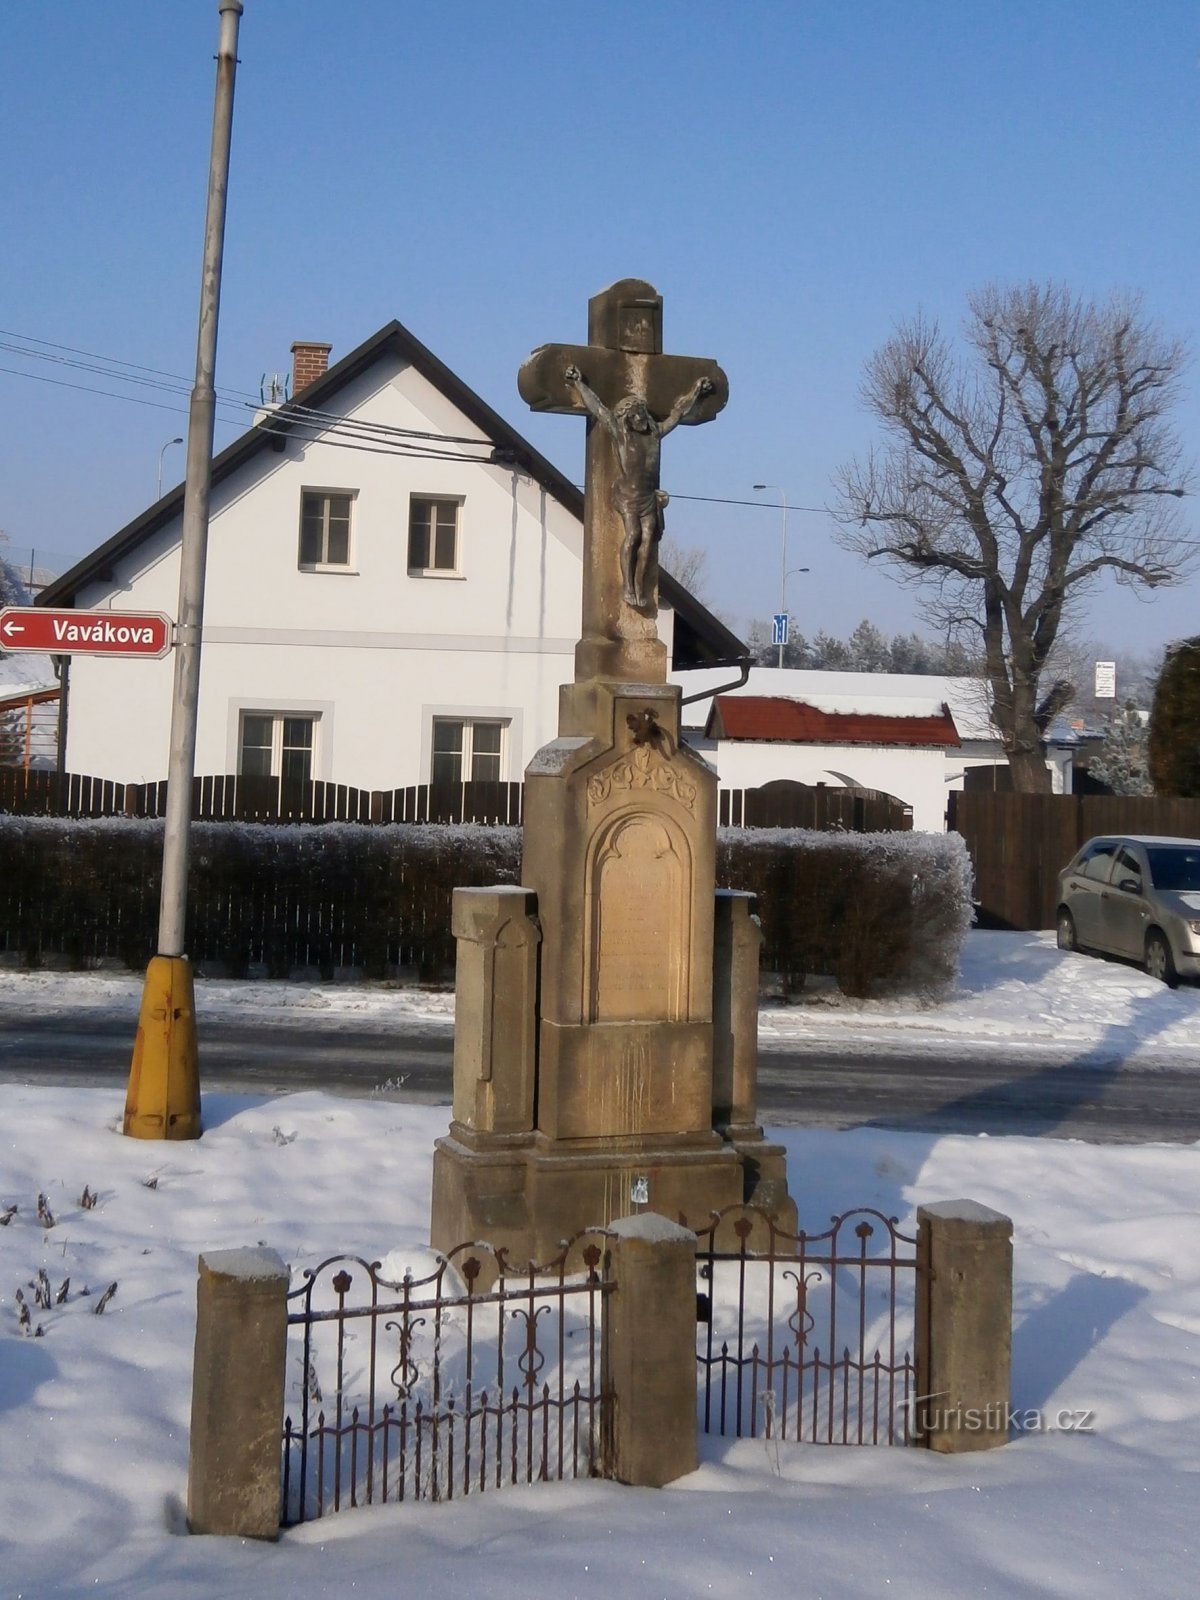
639	326
639	1191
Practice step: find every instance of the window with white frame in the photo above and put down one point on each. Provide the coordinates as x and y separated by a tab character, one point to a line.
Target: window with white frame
433	535
325	528
277	744
466	750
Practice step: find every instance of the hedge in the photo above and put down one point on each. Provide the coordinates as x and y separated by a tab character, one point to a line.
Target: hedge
876	911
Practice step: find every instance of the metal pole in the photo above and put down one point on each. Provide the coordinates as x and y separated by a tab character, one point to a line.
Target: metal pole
161	454
783	572
197	485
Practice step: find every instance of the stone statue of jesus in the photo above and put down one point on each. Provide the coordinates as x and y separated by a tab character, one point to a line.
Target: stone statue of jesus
636	437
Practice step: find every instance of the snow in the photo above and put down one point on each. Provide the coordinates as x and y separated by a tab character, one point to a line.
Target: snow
1095	1496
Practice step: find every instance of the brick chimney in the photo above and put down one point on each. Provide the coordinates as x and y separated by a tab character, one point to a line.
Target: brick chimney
309	362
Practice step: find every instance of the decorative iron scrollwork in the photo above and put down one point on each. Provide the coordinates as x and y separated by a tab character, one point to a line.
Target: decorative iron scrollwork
531	1360
802	1321
405	1373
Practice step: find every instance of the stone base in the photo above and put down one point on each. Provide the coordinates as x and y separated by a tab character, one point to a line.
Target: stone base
528	1197
764	1170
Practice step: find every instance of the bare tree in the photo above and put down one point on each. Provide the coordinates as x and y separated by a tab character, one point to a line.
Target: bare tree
687	564
1010	480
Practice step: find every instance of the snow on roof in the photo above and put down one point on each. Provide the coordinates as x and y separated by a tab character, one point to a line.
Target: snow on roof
20	674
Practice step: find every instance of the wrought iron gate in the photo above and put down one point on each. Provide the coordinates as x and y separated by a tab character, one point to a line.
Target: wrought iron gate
807	1336
444	1385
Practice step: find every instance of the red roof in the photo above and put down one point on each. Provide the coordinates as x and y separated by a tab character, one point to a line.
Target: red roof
764	717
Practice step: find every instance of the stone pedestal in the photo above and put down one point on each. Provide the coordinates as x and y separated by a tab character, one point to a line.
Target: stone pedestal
640	1102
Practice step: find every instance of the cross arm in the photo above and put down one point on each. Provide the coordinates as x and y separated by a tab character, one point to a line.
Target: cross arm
542	380
664	381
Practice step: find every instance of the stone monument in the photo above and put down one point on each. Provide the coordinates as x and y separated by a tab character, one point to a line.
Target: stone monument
605	1048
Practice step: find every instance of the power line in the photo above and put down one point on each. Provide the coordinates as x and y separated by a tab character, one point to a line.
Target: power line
334	429
104	366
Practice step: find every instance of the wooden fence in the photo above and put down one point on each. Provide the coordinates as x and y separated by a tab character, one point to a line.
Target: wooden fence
785	804
234	798
1020	842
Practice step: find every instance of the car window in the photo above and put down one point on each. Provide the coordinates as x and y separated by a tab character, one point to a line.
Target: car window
1128	870
1098	861
1174	866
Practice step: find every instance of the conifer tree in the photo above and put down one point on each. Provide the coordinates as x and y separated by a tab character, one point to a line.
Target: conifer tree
1175	723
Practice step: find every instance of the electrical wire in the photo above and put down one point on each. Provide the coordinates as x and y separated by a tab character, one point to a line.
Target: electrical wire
338	431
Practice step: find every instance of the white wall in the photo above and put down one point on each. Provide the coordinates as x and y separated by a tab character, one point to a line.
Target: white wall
375	652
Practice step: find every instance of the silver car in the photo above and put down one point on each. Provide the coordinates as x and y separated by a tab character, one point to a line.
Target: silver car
1138	896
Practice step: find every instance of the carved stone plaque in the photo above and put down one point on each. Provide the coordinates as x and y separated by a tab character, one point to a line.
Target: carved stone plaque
637	886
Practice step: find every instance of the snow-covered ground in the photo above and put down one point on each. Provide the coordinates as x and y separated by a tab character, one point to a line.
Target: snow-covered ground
94	1415
1014	987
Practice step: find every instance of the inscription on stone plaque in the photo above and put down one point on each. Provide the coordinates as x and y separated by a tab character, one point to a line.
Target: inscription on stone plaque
638	911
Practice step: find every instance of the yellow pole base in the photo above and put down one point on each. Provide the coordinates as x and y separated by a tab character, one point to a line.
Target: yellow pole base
163	1100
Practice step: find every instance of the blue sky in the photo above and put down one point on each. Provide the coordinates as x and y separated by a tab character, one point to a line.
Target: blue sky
794	178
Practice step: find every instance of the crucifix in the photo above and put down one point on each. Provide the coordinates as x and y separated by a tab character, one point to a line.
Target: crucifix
633	395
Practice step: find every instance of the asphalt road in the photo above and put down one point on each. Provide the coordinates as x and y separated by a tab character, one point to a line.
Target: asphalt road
963	1088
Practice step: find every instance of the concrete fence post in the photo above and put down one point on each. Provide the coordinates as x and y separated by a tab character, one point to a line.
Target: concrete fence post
648	1352
964	1326
237	1394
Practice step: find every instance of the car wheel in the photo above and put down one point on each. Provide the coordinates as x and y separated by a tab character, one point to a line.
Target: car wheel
1065	929
1160	963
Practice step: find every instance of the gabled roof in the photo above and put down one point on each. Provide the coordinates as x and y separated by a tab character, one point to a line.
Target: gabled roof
704	637
762	718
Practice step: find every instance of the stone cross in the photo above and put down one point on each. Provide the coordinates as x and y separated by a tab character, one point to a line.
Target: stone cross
632	395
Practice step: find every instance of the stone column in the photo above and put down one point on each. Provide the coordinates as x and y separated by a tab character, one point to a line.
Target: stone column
495	1008
649	1352
237	1394
964	1326
737	939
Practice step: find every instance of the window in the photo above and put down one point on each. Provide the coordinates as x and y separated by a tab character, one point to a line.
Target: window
1099	861
325	528
433	535
276	745
465	751
1127	874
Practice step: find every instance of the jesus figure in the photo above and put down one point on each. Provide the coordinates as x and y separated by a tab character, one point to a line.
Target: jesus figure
636	437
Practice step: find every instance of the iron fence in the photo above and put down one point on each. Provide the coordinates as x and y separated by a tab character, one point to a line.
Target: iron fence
438	1386
807	1336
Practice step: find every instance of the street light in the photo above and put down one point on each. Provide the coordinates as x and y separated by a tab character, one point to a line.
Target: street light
161	454
783	566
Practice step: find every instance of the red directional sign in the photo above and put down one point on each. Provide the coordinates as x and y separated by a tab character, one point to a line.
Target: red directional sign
96	633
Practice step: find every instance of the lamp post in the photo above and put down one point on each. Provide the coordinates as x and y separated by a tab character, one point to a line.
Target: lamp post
161	454
783	566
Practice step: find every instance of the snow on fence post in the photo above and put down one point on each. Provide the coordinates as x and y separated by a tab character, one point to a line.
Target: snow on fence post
963	1326
237	1394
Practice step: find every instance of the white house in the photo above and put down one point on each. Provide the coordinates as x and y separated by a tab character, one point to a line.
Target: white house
393	591
911	736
